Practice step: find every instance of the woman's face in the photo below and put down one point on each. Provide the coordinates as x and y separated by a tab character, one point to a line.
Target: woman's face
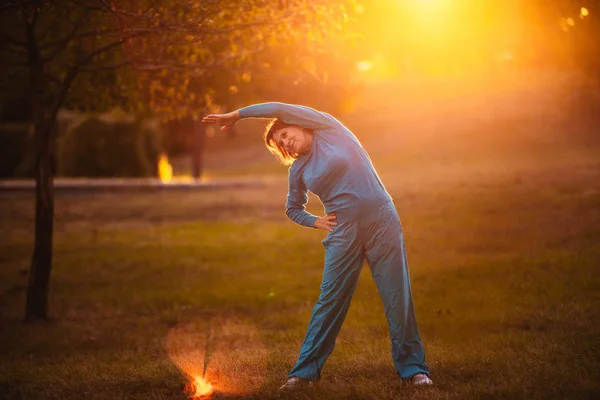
293	139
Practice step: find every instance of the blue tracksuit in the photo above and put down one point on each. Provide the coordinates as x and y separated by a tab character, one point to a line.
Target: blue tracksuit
338	170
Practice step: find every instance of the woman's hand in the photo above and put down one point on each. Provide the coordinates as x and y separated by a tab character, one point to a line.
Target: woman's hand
225	120
326	223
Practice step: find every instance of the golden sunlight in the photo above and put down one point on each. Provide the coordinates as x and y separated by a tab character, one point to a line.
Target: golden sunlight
364	65
584	12
165	170
429	7
447	39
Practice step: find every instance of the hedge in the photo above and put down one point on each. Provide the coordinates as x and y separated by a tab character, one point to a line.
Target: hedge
97	148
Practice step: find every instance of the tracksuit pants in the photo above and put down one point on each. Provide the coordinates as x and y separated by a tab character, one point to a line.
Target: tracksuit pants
372	232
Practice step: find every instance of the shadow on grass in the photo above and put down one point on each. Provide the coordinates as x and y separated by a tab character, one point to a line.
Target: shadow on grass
171	386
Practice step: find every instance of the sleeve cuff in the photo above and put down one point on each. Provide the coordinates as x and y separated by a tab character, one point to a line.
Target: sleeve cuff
310	221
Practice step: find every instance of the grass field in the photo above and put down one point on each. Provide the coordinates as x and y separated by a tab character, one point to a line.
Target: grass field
501	212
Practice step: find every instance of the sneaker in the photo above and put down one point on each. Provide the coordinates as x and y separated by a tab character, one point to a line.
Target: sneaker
421	379
295	383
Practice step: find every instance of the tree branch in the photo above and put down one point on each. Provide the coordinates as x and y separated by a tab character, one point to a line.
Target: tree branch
89	57
225	59
15	51
82	35
13	41
16	3
49	28
97	68
66	86
111	8
53	79
66	40
36	14
15	63
73	71
163	26
87	6
157	65
195	29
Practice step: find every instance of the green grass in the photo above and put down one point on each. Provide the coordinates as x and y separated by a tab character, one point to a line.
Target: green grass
504	253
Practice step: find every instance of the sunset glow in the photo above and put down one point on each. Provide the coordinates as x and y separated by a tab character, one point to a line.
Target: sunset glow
364	65
447	39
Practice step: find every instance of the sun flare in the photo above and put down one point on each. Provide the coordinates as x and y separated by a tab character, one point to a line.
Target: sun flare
200	388
223	355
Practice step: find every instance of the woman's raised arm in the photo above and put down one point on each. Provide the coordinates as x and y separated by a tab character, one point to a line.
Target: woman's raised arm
291	114
225	120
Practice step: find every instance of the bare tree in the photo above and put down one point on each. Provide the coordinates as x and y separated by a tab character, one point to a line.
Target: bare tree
141	54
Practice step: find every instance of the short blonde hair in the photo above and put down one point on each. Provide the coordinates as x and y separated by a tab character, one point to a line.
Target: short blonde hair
282	155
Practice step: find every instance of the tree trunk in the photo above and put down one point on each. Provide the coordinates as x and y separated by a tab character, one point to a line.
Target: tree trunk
41	262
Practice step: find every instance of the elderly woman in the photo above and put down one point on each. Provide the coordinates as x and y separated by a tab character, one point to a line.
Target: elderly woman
327	159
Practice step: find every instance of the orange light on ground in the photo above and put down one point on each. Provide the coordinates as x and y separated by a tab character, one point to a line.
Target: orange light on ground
165	170
221	356
584	11
199	388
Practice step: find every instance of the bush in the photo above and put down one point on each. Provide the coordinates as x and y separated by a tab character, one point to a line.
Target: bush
16	141
98	148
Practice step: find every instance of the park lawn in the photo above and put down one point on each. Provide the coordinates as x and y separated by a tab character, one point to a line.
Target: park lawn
504	272
502	222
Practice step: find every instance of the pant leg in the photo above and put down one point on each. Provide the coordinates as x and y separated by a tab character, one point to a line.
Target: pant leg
343	262
386	255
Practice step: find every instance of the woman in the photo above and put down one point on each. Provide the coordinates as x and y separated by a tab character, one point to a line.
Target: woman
327	159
